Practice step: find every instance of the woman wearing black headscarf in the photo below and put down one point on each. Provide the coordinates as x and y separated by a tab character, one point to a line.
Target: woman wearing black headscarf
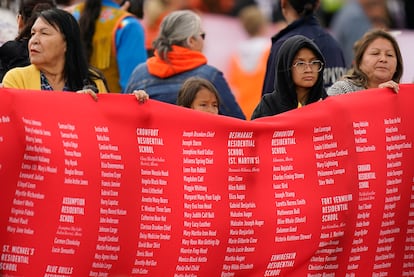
299	75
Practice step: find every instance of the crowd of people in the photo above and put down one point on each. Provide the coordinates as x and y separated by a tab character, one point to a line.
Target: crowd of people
101	46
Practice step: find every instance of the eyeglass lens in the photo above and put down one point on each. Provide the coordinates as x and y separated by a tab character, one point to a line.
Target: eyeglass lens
314	65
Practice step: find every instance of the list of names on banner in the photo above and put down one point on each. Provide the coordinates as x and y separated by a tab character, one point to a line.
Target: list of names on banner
199	237
289	206
35	167
154	231
111	211
366	195
397	145
243	164
329	156
69	232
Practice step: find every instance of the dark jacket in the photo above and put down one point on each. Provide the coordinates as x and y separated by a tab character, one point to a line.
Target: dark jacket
284	97
13	54
309	27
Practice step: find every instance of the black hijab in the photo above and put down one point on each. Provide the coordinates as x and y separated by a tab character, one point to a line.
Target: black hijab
284	97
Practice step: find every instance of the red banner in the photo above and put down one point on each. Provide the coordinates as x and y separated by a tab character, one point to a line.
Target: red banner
118	188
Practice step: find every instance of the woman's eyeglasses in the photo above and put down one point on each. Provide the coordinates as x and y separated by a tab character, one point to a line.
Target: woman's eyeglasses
315	66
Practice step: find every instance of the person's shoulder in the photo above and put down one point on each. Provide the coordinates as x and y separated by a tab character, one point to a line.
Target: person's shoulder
130	22
267	102
128	17
140	68
285	33
139	75
341	87
209	67
266	107
22	72
18	76
207	70
24	69
13	48
9	45
110	11
308	27
329	41
323	38
318	32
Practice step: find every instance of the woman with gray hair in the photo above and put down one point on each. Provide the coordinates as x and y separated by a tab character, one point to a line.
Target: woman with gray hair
178	56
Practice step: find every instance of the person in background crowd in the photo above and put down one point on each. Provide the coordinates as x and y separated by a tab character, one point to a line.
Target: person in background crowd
14	53
57	58
8	25
299	69
378	64
114	40
409	10
328	9
301	19
240	5
155	11
212	6
269	9
199	94
178	56
63	4
136	7
356	18
247	65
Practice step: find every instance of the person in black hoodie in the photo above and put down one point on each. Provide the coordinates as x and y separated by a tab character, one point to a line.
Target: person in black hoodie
300	15
299	75
14	53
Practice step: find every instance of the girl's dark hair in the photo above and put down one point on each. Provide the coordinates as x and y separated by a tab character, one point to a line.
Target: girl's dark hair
28	10
304	7
87	23
76	70
191	87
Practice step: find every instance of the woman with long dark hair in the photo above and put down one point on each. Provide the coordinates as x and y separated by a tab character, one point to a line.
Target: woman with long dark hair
56	56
